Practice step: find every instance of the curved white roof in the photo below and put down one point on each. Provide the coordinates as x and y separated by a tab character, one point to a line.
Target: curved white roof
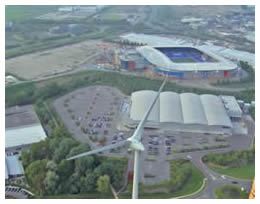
193	112
160	60
215	111
185	108
141	100
170	107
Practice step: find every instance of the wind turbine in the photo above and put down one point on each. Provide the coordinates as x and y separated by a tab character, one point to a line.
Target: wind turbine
133	142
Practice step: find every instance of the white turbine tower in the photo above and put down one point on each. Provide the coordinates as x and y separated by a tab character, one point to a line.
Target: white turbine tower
133	142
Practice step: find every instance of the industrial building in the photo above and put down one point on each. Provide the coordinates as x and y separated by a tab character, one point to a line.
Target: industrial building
185	112
13	167
164	57
22	127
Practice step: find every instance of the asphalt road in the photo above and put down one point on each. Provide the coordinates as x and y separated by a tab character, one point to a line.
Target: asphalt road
215	179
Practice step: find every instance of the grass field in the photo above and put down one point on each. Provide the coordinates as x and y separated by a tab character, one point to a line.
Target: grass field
184	60
20	13
245	172
191	185
112	17
248	85
80	196
61	59
230	192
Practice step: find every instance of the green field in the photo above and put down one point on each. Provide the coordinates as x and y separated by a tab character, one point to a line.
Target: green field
112	17
247	85
80	196
184	60
245	172
20	13
193	184
230	192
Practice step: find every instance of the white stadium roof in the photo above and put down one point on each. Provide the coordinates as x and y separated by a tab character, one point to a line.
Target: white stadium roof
156	41
151	40
158	59
185	108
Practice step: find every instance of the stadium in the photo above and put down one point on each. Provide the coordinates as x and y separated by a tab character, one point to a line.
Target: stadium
177	61
185	112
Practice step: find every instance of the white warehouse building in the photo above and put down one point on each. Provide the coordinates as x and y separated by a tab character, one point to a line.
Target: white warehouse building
186	112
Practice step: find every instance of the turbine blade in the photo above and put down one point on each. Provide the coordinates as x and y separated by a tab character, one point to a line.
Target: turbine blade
102	149
137	134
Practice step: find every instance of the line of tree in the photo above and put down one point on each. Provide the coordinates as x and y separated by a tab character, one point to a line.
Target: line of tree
231	159
28	93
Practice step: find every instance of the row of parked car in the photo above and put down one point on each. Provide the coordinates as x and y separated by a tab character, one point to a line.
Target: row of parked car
154	141
17	191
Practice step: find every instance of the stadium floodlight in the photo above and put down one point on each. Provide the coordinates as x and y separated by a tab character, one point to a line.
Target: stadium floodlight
133	142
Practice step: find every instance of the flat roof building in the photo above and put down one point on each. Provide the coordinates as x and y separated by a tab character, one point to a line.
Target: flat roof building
22	127
13	167
232	106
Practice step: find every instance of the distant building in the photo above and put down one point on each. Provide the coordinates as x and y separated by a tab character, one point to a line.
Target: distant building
177	59
191	20
69	8
22	127
158	41
233	109
10	80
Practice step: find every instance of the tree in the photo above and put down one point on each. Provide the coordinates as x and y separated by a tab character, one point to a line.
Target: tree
51	165
84	163
88	183
60	131
63	149
65	169
35	174
26	158
103	184
37	151
79	149
50	90
51	182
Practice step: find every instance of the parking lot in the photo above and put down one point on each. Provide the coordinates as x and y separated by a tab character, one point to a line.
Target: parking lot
17	192
91	114
161	147
94	115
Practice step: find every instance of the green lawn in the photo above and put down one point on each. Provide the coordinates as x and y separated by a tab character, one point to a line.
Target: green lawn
184	60
191	185
245	172
112	17
230	192
80	196
248	85
20	13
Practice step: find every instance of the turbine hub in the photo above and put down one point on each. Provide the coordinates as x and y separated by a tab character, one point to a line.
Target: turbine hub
136	145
